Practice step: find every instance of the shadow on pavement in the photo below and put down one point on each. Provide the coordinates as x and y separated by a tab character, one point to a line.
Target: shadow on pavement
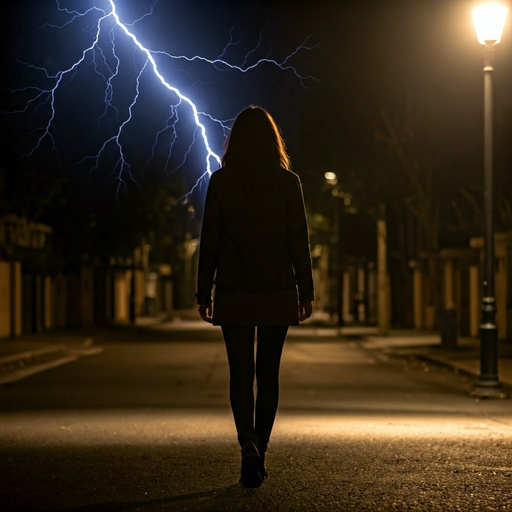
208	498
127	477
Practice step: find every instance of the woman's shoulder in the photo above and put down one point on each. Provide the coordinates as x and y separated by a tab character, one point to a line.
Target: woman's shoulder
225	173
216	174
216	177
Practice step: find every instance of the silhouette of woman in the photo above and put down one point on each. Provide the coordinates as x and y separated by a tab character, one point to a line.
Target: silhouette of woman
255	249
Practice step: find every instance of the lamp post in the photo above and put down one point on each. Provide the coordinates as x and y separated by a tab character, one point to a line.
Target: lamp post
489	20
332	180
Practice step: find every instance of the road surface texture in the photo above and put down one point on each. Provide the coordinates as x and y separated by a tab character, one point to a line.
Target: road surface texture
146	425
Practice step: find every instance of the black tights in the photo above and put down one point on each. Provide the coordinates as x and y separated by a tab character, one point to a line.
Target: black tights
240	349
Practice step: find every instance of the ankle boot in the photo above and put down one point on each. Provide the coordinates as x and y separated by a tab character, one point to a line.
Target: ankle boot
263	469
250	473
262	448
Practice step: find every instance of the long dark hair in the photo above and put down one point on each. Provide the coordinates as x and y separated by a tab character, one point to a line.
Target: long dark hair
255	141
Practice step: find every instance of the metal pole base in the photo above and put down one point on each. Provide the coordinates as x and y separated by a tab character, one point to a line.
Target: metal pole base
488	389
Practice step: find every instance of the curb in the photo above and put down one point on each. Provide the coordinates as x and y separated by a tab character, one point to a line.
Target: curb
22	360
457	367
23	364
14	376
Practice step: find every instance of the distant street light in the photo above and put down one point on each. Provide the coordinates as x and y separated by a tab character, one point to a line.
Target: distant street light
489	20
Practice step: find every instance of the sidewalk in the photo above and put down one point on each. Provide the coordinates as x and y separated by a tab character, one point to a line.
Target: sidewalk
33	353
427	347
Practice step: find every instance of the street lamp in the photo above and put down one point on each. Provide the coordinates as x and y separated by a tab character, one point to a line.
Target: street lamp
489	20
332	180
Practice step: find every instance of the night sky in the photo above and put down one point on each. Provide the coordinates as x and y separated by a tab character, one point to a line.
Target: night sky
409	58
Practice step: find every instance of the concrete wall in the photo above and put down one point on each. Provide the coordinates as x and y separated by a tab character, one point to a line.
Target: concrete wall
140	292
17	299
10	307
121	296
48	302
5	299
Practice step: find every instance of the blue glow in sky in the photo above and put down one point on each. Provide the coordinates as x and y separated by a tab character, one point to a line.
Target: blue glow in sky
118	91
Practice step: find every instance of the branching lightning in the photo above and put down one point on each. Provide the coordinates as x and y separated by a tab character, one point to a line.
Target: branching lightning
107	30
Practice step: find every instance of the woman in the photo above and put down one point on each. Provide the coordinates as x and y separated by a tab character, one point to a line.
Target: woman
255	243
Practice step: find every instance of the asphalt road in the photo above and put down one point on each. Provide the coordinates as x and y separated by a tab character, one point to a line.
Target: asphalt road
146	425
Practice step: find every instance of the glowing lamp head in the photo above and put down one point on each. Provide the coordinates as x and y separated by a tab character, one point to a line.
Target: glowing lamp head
331	178
489	20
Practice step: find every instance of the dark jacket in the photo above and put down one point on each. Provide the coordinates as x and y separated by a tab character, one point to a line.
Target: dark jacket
254	240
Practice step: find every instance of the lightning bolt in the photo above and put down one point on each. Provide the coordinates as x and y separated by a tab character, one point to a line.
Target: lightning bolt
108	21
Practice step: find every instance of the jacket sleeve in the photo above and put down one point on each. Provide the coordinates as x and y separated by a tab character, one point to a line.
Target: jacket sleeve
210	243
298	243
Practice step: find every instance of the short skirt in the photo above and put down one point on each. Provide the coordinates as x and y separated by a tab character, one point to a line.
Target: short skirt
272	308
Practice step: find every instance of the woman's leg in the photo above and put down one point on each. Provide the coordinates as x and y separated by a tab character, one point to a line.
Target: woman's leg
268	359
239	342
